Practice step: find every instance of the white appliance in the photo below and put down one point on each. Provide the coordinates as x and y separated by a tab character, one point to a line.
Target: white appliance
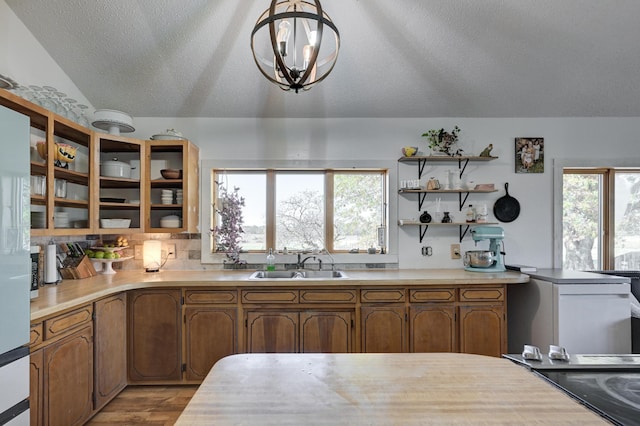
581	311
15	264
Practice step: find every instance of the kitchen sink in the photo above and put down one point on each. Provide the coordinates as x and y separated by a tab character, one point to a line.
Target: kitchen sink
300	275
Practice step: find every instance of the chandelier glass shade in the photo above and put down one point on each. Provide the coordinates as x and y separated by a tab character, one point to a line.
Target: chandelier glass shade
295	44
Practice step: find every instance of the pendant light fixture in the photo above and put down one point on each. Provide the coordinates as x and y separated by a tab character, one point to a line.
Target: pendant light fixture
295	44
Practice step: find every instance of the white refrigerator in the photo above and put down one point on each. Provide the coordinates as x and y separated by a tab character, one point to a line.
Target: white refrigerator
15	268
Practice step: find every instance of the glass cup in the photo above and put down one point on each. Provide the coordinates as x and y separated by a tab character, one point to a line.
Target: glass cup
60	186
38	185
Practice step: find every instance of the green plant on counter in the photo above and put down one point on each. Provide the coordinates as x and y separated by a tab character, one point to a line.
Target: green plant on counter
228	233
443	141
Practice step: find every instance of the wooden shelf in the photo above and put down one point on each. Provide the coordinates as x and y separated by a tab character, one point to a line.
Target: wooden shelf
463	226
446	191
418	158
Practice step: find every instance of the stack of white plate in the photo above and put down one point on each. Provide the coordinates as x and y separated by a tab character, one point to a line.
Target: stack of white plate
167	196
61	220
178	196
38	220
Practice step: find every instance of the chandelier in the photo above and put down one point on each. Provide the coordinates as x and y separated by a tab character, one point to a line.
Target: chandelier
300	47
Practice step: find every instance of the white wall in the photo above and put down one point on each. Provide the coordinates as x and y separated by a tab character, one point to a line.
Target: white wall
529	239
23	58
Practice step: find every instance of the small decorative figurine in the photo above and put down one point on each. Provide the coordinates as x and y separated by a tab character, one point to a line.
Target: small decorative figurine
487	151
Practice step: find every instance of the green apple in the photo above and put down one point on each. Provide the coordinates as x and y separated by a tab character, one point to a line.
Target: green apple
98	254
109	255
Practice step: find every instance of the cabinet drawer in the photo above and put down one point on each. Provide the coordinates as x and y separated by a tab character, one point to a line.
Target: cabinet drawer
206	297
58	326
433	295
269	296
327	296
35	335
382	295
481	294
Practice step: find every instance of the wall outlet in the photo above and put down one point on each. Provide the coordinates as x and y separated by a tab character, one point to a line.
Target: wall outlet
171	251
137	252
455	251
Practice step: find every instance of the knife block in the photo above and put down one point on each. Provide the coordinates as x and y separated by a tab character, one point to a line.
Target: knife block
76	268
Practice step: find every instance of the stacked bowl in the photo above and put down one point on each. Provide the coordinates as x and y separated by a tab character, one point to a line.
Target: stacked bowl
167	196
178	196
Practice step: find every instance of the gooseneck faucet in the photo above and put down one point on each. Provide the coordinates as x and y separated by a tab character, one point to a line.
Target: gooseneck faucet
301	263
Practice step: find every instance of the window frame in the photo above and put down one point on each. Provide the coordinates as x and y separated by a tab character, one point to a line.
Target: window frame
208	187
607	169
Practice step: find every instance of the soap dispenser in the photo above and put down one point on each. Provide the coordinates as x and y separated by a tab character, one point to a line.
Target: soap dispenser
271	261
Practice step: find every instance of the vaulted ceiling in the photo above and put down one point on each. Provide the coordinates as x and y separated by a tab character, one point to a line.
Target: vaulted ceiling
403	58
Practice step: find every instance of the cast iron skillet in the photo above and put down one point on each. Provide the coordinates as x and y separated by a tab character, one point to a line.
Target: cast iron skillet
506	208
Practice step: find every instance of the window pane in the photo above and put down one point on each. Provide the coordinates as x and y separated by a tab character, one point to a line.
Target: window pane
358	210
582	221
300	218
627	221
253	189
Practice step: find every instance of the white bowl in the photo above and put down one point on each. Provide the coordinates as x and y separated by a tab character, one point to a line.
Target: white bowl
115	223
169	223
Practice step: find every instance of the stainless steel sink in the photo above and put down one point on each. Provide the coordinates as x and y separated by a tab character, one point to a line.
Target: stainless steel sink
300	275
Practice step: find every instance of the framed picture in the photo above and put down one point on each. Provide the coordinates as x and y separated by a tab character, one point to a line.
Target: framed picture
529	155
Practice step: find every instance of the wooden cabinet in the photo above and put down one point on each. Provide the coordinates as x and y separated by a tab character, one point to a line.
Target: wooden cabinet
432	328
326	331
61	368
78	211
56	212
172	154
272	331
120	197
383	320
483	330
36	386
211	329
68	379
307	320
155	335
383	329
110	348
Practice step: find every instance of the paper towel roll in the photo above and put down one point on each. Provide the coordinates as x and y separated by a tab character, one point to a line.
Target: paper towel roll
50	270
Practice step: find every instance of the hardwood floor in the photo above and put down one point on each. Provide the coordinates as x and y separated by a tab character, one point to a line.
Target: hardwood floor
148	405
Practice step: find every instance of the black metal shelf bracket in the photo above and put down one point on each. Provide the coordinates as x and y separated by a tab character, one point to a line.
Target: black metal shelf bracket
422	196
462	201
461	167
462	233
423	231
421	163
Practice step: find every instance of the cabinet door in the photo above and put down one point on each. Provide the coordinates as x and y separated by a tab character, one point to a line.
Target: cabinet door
383	329
36	382
110	347
432	328
155	335
328	332
272	331
482	330
68	379
210	335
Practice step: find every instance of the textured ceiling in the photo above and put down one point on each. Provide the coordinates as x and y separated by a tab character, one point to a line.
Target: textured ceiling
403	58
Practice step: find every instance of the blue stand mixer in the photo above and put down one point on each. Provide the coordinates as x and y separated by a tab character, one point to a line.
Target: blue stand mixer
486	260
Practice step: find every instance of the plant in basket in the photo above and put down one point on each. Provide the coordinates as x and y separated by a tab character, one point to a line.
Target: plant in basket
442	142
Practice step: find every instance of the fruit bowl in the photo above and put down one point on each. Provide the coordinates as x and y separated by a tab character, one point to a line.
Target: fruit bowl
409	151
171	173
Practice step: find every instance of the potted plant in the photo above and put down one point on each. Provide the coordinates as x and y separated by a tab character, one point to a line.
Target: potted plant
442	142
228	233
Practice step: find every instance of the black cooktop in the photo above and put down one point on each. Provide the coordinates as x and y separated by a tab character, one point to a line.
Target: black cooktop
608	384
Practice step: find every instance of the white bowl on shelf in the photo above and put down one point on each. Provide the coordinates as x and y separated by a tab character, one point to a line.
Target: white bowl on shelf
171	221
115	223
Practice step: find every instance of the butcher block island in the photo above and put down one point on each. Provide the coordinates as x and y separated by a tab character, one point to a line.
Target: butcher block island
378	389
93	337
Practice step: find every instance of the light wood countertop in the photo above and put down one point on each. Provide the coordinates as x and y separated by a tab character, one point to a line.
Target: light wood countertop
402	388
68	294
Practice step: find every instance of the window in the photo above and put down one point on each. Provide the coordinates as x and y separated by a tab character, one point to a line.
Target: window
600	222
340	210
